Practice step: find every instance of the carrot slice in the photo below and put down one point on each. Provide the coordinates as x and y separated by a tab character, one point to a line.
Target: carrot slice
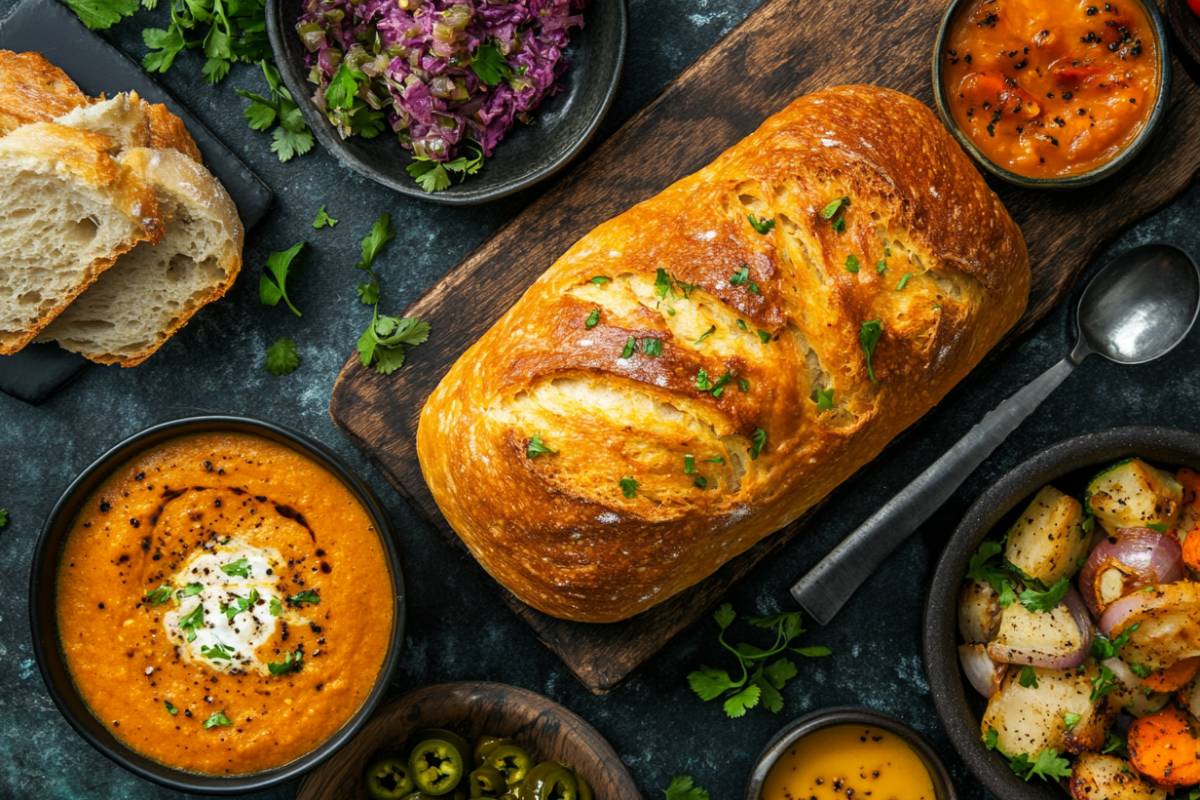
1174	677
1163	747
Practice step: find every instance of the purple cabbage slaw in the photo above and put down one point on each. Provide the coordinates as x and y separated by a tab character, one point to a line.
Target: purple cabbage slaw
430	62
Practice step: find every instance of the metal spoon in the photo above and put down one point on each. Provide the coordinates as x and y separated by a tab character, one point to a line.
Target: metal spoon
1135	310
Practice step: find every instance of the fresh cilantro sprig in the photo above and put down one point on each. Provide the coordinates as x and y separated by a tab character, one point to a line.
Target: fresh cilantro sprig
282	357
292	662
272	285
1047	765
217	720
986	567
382	345
323	220
380	234
1037	600
489	65
291	136
98	15
434	176
868	336
226	31
764	672
1103	648
683	787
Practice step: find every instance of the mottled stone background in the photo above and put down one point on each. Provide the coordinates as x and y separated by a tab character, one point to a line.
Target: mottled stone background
655	723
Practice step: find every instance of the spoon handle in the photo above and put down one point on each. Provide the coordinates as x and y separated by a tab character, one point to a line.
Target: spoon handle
828	585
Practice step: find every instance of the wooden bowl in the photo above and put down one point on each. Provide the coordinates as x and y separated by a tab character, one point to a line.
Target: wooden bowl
544	728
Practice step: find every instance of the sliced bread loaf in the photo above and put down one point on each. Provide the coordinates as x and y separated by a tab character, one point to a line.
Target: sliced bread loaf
154	290
70	209
132	122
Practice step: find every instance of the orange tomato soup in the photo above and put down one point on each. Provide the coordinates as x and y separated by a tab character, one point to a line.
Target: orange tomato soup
224	604
854	762
1051	88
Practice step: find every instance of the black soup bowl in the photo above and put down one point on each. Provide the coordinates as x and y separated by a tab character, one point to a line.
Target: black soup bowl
1067	465
44	619
561	127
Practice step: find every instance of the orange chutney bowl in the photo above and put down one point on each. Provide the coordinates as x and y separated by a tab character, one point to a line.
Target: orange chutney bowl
217	604
1052	93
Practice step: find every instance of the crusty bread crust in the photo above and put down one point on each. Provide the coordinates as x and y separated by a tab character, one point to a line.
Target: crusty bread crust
84	158
168	131
660	471
171	172
34	90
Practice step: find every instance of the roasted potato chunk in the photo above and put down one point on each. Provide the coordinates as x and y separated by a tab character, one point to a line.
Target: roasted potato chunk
1048	541
1133	494
1027	636
1028	719
1100	777
1168	624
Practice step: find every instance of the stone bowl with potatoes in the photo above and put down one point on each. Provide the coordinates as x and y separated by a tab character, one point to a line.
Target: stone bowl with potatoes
1063	625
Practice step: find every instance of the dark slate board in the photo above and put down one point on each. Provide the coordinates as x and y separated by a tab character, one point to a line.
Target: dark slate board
54	31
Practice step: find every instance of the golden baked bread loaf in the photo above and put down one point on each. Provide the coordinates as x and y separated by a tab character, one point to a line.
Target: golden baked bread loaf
693	374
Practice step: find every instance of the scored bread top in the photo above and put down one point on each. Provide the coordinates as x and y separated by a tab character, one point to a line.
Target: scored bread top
701	383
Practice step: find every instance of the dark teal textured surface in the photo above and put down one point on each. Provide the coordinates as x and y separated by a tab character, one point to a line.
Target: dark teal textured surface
458	626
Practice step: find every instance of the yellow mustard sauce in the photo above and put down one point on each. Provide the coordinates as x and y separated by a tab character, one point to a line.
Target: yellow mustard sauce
849	762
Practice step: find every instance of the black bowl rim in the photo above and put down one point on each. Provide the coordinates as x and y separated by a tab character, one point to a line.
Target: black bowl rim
1161	104
847	715
176	779
945	679
333	144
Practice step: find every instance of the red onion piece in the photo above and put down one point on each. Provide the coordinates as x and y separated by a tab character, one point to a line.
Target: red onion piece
1122	610
1024	646
982	673
1127	561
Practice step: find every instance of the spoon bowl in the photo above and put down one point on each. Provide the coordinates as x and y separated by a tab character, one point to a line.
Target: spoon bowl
1140	307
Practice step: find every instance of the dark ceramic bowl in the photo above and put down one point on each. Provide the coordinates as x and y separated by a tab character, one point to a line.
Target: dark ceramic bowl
1068	465
560	128
43	577
1157	114
798	729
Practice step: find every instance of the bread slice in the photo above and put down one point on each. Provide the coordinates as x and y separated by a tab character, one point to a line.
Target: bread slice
132	122
153	291
34	90
70	210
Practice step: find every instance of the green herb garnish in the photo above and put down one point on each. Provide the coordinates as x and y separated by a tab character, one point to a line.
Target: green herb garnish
711	330
868	337
282	357
292	136
600	280
629	487
823	398
272	284
238	569
489	65
903	282
651	346
191	621
682	787
742	278
323	220
308	596
158	596
217	652
630	346
380	234
171	709
759	441
764	671
434	176
191	590
1036	600
763	226
217	720
1028	678
689	465
764	336
292	662
593	319
383	344
852	264
537	447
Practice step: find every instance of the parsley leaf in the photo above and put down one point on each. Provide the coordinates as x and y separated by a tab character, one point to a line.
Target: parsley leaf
903	281
282	358
278	110
823	398
191	621
158	596
1027	677
868	337
98	15
308	596
323	220
593	319
763	226
217	652
1035	600
1071	719
380	234
384	341
3	517
434	176
1104	648
742	278
764	672
292	662
683	787
852	264
759	441
238	569
272	285
191	590
217	720
1048	765
834	206
275	607
537	447
171	709
629	487
489	65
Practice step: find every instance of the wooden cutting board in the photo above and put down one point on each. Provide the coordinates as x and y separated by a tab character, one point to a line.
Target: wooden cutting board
784	49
